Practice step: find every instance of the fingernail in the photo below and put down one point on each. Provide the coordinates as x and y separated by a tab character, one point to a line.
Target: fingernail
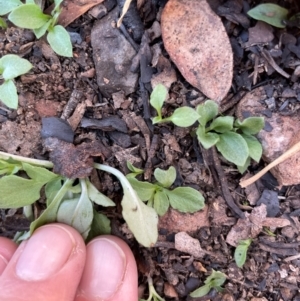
104	270
45	253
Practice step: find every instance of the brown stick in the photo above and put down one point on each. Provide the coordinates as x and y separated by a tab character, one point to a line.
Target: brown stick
289	153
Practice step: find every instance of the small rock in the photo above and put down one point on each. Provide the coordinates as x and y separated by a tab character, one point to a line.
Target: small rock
98	11
175	221
288	93
187	244
284	134
289	232
270	199
112	55
169	291
270	102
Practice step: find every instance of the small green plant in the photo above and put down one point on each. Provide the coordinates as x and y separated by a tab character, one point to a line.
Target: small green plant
184	116
215	280
153	295
31	16
69	203
240	253
274	15
11	66
233	138
160	197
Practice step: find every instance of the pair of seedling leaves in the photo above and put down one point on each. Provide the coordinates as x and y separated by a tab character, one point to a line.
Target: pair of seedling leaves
11	66
31	16
160	196
233	138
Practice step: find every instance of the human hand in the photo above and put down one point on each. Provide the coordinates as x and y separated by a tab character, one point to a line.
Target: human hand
55	265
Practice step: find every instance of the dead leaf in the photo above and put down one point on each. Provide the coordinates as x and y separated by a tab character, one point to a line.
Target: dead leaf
249	227
74	9
73	161
197	43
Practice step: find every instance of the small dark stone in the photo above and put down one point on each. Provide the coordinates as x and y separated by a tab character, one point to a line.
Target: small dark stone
57	128
270	199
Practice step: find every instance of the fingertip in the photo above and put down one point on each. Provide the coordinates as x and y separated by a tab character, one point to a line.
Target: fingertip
7	249
110	272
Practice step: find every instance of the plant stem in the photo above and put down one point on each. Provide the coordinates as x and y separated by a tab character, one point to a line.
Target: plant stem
124	182
41	163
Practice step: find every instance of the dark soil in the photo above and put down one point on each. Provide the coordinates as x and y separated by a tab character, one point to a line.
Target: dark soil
67	87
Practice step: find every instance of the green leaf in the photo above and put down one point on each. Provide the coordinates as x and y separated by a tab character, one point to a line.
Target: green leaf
206	139
233	147
251	125
39	32
18	192
222	124
28	16
9	168
57	4
3	24
165	177
133	168
157	119
184	117
240	253
270	13
141	219
185	199
49	215
60	41
100	226
157	98
97	197
52	188
254	146
7	6
201	291
12	66
39	174
218	277
77	213
144	190
161	202
8	94
207	112
243	168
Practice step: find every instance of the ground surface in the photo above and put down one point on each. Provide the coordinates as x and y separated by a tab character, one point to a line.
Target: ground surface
69	88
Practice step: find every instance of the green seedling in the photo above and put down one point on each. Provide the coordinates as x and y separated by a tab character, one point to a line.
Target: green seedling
215	280
233	138
69	203
184	116
153	295
11	66
274	15
31	16
160	196
240	253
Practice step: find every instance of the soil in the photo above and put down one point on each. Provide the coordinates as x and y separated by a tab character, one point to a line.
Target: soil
69	88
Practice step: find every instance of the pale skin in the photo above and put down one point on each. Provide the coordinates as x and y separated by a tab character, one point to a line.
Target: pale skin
55	264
